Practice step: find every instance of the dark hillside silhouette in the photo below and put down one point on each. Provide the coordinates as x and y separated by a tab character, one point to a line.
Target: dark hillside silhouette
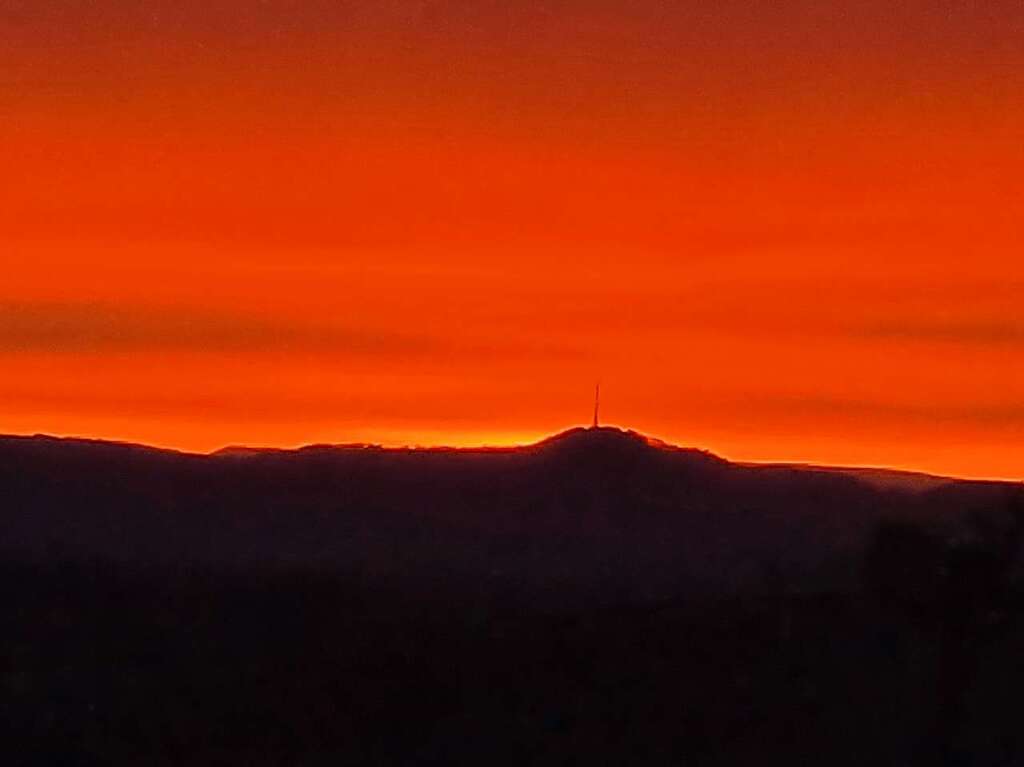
598	511
598	597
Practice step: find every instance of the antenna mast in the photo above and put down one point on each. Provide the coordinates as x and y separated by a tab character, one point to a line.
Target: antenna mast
597	403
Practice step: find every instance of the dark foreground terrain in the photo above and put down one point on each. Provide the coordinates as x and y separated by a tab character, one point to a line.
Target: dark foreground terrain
592	600
102	667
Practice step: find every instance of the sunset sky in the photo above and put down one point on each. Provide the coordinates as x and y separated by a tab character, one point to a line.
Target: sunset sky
778	231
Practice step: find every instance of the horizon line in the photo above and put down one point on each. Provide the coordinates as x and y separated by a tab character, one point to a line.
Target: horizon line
525	443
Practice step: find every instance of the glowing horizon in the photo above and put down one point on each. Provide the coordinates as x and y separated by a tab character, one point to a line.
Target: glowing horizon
442	440
785	233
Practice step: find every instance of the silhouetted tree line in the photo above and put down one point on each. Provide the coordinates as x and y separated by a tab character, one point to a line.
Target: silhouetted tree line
961	588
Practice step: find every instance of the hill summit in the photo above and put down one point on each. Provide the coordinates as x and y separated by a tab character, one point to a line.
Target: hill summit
600	511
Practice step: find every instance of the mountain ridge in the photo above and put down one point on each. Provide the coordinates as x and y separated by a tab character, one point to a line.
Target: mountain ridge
881	476
589	514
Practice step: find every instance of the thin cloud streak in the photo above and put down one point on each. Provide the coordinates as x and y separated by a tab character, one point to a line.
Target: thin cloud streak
982	416
69	328
73	329
966	331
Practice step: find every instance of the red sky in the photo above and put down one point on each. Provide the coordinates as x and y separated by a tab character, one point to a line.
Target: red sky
785	231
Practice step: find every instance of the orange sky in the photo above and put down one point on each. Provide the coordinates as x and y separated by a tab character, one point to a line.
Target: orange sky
778	231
